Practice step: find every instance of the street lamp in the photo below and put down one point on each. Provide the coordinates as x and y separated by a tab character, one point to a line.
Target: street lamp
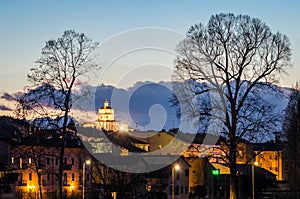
253	178
87	162
176	167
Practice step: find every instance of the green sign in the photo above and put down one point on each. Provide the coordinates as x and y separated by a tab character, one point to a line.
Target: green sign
215	172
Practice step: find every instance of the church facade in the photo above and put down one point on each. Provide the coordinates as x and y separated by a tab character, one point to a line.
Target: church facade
106	120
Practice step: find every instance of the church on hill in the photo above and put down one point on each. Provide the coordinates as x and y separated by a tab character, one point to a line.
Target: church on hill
106	120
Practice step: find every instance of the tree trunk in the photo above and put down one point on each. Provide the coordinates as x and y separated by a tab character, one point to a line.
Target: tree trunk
60	170
63	143
40	185
233	183
233	173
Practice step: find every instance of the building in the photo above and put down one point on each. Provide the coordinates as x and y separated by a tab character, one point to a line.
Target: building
155	140
172	179
269	157
201	180
106	120
35	162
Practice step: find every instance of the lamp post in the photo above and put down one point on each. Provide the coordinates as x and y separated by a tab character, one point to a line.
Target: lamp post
176	167
87	162
253	178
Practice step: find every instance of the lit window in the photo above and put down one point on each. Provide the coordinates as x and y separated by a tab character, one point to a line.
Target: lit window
29	160
13	160
65	178
21	162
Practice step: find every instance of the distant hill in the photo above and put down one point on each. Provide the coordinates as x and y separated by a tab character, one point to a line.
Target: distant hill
10	127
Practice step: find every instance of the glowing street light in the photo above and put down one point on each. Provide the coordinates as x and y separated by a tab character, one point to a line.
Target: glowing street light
176	167
87	162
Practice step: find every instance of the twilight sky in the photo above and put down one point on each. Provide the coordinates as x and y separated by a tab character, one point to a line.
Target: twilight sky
26	25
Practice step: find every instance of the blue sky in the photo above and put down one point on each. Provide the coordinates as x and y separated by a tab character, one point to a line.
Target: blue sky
26	25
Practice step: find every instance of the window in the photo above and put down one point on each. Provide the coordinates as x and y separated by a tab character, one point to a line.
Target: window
240	153
176	190
73	161
181	190
80	178
29	160
87	177
73	177
65	178
65	161
21	162
186	172
186	190
21	177
48	161
48	176
80	162
13	160
30	176
56	161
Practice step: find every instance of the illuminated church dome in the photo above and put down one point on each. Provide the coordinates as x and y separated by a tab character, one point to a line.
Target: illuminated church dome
106	119
106	113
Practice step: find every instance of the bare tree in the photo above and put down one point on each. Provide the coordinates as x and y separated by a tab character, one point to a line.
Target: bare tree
62	63
233	57
292	135
32	158
124	184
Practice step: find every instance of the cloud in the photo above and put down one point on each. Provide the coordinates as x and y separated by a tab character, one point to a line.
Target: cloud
8	97
5	108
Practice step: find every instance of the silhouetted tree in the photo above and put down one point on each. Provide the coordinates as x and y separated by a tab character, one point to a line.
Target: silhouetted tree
231	59
291	129
109	180
32	158
62	63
